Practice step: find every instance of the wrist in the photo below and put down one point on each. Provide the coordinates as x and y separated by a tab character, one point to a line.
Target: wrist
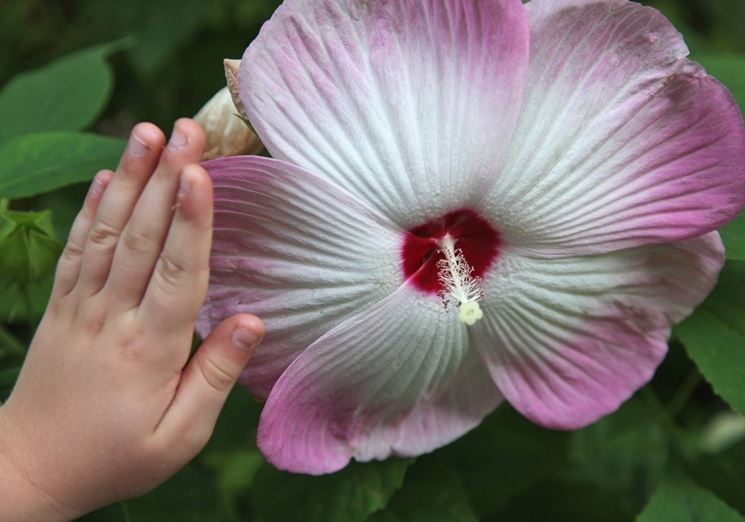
20	499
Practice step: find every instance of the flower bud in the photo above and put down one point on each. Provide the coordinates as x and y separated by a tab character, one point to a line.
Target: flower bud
28	246
231	77
226	131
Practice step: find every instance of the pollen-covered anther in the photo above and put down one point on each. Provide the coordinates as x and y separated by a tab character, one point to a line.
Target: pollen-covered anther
458	284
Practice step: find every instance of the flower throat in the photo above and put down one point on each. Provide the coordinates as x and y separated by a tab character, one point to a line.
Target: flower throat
448	256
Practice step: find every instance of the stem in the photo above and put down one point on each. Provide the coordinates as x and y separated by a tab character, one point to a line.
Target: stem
676	434
683	393
125	511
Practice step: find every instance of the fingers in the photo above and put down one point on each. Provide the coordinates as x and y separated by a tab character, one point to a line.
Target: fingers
68	267
207	380
137	163
179	281
143	236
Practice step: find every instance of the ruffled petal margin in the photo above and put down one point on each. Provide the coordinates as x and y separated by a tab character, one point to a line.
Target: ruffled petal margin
295	250
621	141
409	105
398	379
568	340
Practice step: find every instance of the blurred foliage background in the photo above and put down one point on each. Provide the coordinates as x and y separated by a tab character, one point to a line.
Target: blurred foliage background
75	75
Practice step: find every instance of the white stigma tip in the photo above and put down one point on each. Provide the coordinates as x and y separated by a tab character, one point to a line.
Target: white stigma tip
458	284
469	313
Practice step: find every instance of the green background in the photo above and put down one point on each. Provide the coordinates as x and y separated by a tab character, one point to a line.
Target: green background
75	76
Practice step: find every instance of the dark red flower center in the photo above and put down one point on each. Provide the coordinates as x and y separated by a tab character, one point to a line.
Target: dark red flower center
473	235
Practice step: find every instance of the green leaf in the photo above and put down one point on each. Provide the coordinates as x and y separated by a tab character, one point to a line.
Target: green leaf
723	473
513	454
158	28
625	453
189	496
561	501
351	495
236	426
66	95
432	492
235	471
37	163
28	247
714	336
733	236
728	69
13	307
678	499
113	513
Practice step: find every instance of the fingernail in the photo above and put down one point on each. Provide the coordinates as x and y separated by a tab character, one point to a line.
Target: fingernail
179	139
136	147
99	184
244	339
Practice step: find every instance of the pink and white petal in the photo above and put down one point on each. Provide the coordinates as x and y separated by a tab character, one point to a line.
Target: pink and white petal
408	104
621	141
295	250
394	380
568	340
451	412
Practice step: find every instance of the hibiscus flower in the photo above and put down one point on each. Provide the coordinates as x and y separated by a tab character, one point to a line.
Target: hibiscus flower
468	201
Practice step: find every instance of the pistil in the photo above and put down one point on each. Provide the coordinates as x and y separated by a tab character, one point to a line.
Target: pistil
459	286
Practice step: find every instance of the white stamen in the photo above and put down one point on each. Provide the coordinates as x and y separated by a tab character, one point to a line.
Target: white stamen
459	285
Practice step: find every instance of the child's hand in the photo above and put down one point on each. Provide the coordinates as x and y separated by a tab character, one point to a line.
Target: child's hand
106	406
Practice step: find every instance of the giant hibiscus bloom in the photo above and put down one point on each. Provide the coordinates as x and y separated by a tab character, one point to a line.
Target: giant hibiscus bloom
469	201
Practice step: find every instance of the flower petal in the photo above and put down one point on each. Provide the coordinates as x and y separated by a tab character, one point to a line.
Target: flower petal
568	340
407	104
399	378
621	141
295	250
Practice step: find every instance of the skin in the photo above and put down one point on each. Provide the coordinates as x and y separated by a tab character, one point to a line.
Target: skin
109	403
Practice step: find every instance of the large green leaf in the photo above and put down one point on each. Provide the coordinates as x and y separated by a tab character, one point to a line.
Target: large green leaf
723	473
432	492
513	454
188	496
714	336
679	500
350	495
37	163
231	452
625	453
733	236
561	501
66	95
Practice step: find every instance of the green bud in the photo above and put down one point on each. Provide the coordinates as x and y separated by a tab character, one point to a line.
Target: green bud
28	246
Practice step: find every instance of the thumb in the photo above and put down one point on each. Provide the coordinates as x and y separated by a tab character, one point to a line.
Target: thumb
207	380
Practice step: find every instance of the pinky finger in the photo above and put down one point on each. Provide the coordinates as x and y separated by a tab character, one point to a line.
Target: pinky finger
68	268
